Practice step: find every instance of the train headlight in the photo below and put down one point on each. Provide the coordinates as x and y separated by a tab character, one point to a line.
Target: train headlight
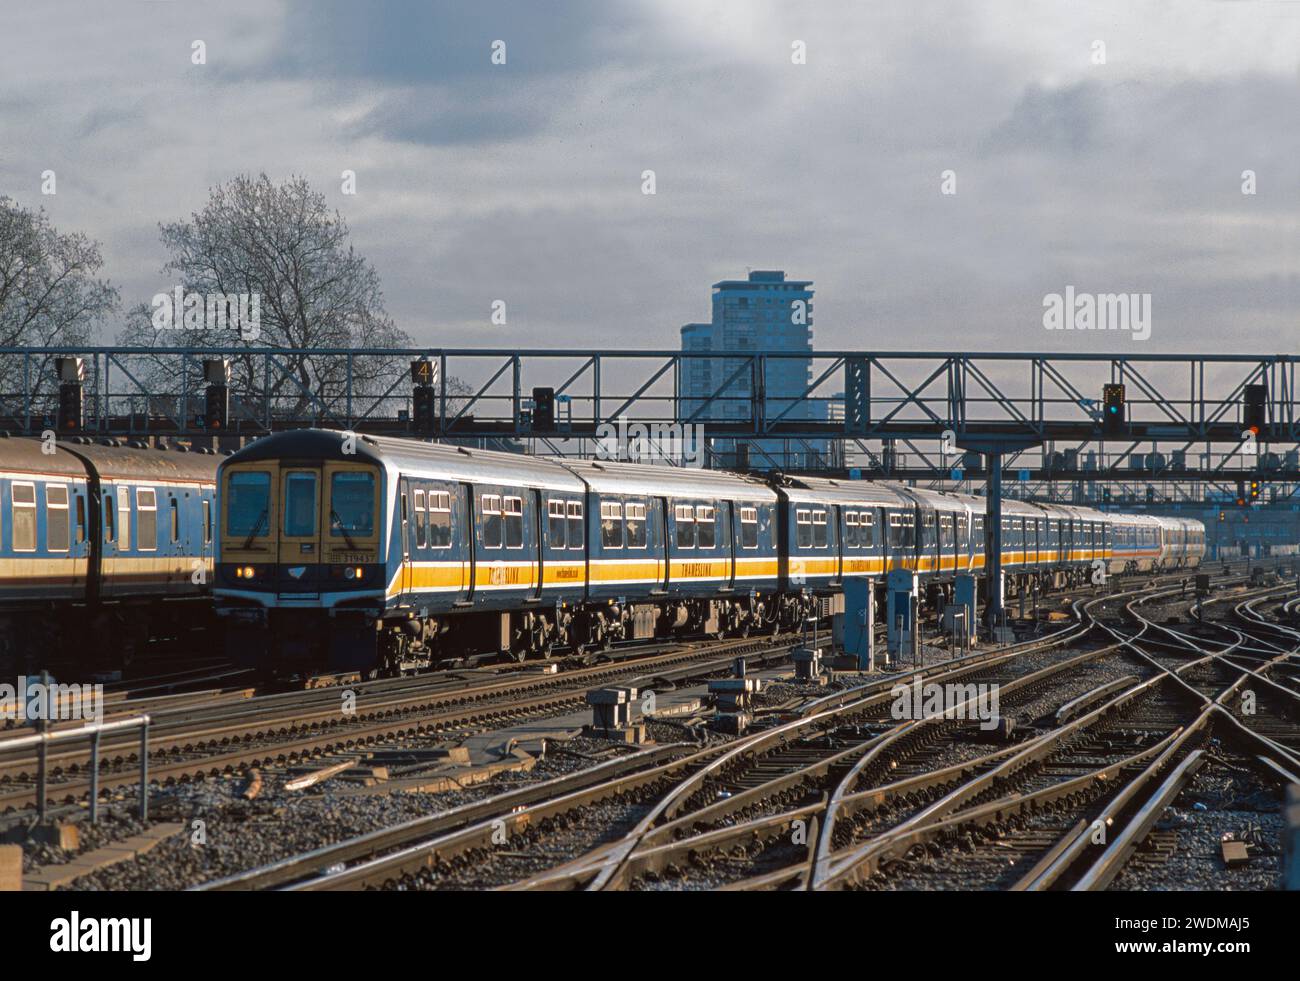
349	573
246	572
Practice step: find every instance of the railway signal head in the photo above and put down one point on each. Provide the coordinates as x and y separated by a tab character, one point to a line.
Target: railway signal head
1255	407
1113	414
424	408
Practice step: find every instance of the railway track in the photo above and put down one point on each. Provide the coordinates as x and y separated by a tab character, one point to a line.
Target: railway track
845	716
253	732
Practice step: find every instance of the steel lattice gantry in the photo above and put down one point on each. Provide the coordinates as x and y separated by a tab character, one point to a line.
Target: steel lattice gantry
1184	417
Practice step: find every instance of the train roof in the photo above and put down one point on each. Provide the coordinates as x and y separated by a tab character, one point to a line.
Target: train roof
632	478
831	491
74	456
411	456
23	455
156	463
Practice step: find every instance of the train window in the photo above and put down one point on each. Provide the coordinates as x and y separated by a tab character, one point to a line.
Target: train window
81	519
850	529
23	518
124	518
248	500
110	518
207	521
146	519
635	526
490	506
611	525
685	521
929	536
514	521
977	529
299	504
439	503
909	529
749	527
352	504
176	519
555	524
963	533
56	517
819	529
945	531
577	535
421	520
867	529
707	526
803	528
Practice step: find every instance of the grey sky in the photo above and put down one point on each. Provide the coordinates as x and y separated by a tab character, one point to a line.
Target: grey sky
523	182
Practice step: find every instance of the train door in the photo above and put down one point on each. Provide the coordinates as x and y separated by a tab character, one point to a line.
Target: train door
467	537
837	546
730	522
659	526
533	498
298	553
962	548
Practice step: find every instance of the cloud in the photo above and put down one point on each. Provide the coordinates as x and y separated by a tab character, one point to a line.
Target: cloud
522	182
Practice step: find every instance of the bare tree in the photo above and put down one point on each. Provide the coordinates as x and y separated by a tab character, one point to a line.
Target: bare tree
280	244
50	294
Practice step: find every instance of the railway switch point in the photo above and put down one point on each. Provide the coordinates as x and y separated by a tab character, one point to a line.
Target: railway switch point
732	723
807	663
611	708
734	694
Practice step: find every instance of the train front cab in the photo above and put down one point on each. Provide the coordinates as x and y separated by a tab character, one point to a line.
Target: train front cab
301	541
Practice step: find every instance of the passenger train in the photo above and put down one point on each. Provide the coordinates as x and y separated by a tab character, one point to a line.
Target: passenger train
383	554
102	547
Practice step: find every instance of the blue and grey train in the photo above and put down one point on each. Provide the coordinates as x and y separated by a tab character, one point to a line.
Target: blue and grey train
381	554
103	547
